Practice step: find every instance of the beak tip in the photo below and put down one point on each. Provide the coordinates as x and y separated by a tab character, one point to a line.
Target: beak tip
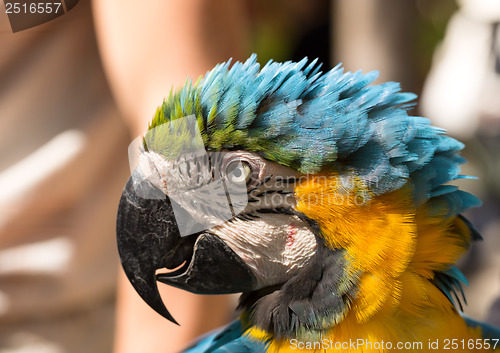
149	292
168	316
171	319
152	297
163	311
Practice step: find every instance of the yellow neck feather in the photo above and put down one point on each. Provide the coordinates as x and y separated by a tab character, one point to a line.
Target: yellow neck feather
394	248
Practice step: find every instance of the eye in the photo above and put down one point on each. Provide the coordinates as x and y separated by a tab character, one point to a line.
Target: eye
239	172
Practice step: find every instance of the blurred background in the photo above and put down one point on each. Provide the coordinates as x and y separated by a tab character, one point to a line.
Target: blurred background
76	90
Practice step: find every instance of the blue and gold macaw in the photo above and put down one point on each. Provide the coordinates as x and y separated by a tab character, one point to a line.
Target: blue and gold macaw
348	231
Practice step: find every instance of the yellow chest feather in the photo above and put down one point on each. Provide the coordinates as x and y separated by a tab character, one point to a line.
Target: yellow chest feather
394	250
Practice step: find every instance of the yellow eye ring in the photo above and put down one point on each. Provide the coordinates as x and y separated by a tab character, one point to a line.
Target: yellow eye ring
239	172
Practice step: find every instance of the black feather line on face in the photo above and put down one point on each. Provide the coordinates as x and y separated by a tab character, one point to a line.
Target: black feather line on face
310	303
289	180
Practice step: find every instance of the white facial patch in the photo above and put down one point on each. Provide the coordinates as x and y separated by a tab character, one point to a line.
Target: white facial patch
275	246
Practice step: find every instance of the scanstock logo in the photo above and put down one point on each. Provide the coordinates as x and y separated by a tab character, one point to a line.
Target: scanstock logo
24	14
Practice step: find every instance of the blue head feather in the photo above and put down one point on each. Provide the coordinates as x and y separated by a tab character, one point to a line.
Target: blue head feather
293	114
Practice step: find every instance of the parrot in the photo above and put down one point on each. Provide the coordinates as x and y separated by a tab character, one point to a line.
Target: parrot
318	197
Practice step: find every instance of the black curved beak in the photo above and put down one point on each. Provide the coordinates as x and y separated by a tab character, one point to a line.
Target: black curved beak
148	239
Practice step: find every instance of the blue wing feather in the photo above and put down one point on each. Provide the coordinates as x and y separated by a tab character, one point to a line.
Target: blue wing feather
488	331
227	340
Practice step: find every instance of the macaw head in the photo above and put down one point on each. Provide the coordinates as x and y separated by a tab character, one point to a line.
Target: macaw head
306	192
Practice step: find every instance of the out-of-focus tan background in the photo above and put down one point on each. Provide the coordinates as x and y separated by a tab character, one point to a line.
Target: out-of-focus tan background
76	90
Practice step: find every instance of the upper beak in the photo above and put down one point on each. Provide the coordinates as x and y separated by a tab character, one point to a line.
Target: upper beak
149	239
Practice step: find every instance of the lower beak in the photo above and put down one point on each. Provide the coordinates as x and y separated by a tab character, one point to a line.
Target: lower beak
149	239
